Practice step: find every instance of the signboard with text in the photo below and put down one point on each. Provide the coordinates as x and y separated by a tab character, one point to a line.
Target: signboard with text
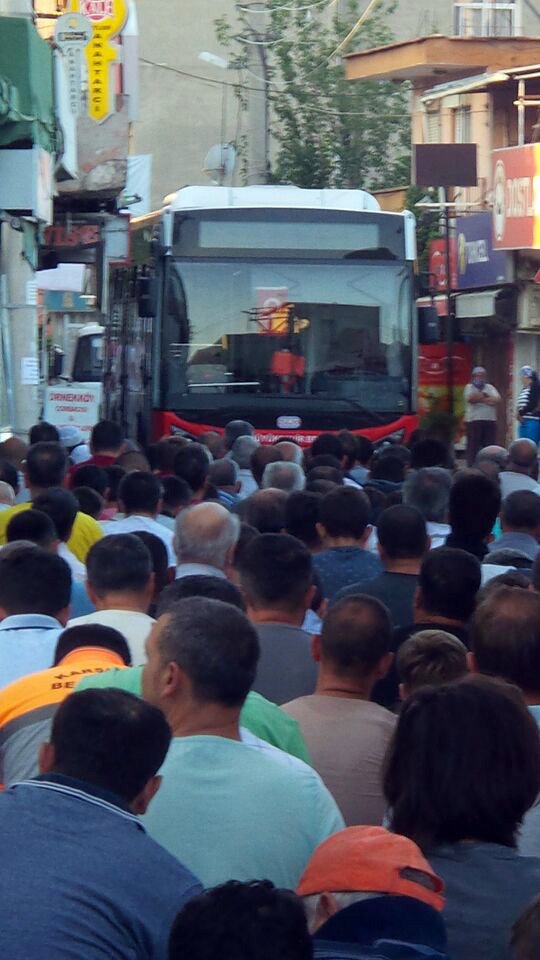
107	18
73	406
478	264
516	198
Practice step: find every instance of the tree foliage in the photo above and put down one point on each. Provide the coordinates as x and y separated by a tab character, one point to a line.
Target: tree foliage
327	131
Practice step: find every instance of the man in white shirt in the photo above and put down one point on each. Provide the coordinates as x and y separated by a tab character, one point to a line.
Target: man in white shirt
121	586
139	499
205	538
35	588
481	399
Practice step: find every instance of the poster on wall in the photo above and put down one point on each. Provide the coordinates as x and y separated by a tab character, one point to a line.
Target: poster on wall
433	381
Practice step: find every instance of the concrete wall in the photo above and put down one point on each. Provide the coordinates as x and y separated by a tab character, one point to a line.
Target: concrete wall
181	116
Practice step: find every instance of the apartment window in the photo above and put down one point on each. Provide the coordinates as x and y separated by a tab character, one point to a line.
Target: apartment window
462	125
433	126
487	18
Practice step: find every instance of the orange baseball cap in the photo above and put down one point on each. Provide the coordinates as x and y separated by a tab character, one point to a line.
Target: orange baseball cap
371	859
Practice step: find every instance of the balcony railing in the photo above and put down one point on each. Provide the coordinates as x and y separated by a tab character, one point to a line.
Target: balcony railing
487	19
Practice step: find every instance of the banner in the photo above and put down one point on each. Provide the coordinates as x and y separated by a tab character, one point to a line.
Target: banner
516	198
73	406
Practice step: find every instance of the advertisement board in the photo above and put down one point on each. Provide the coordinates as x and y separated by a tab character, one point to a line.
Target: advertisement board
516	198
478	264
73	406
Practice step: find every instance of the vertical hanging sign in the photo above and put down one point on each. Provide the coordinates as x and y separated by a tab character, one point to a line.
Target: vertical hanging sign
107	18
72	33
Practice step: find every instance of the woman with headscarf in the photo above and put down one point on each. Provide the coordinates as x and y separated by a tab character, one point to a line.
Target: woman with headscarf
528	405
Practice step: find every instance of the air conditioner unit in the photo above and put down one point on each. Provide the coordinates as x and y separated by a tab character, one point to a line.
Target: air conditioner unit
16	8
529	309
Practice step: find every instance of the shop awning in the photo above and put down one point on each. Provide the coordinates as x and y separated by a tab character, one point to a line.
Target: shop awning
26	86
482	303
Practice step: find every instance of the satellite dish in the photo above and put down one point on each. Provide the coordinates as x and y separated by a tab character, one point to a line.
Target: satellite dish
220	162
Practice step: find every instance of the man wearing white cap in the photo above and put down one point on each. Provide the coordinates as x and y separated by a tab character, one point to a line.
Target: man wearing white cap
481	399
73	441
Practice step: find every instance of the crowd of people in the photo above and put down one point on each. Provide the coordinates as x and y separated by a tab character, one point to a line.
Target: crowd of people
266	702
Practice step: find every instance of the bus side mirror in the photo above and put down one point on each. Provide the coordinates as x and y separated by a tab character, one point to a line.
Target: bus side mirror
147	296
429	325
57	365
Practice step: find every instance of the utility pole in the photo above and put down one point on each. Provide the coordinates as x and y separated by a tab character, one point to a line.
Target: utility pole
257	93
20	332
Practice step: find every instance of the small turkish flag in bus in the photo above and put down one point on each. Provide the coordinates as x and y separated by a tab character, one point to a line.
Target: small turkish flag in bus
537	277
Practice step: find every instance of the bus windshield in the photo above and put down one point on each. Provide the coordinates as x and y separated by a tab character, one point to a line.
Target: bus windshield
336	330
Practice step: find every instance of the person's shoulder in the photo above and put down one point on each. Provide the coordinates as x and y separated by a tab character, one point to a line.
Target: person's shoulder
6	515
122	678
28	693
88	525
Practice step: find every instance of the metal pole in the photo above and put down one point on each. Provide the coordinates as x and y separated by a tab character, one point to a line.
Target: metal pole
521	113
257	99
449	307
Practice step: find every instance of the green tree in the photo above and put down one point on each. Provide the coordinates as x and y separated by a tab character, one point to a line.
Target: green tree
329	132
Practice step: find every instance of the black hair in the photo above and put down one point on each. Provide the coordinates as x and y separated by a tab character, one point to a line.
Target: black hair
216	646
242	921
388	466
521	510
91	635
245	536
505	636
235	429
277	570
118	562
114	477
430	452
88	501
464	764
449	580
160	558
106	435
32	580
46	465
329	474
43	432
320	486
192	465
324	460
345	512
9	474
139	492
32	525
474	504
356	635
88	475
61	506
224	473
176	493
264	510
213	588
401	531
350	447
302	512
364	450
110	739
327	443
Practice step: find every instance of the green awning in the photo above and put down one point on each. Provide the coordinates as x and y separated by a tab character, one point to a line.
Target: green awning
26	86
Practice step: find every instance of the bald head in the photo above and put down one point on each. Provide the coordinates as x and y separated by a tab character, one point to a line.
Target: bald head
14	450
523	456
494	453
206	533
265	510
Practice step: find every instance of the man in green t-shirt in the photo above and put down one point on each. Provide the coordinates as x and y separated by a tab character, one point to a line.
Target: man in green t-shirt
259	716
